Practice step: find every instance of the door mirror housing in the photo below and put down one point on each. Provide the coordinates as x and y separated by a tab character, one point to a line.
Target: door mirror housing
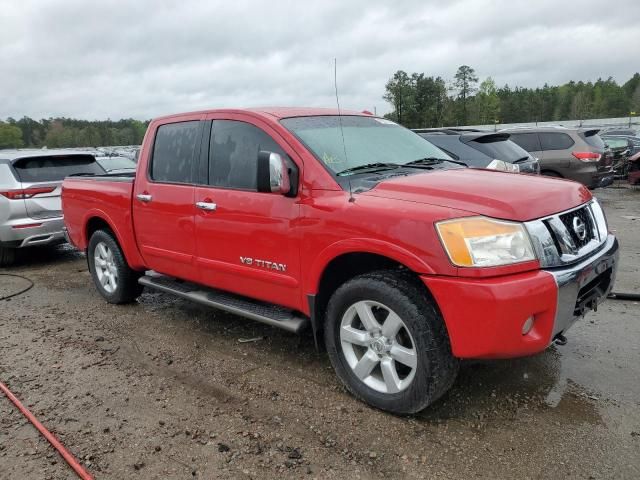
273	174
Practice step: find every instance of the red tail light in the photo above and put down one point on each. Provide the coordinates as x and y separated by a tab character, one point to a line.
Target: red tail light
587	156
26	192
27	225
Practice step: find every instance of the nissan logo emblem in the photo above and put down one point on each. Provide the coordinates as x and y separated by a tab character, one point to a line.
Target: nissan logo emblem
580	228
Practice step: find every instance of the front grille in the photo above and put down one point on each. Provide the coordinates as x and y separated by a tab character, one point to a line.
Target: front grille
576	220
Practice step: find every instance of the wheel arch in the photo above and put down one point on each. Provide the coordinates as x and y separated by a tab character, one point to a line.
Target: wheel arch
341	262
96	220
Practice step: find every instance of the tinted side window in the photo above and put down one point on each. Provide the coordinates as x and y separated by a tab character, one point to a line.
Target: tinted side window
233	153
528	141
173	152
555	141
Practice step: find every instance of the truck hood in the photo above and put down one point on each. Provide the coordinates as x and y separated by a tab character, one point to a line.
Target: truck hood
508	196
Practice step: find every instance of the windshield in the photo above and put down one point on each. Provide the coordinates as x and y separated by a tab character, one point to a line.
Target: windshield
367	140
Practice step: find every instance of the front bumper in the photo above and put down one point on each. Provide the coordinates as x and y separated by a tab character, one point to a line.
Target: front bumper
485	317
28	232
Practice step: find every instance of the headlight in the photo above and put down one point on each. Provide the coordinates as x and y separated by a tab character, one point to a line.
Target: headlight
601	220
504	166
484	242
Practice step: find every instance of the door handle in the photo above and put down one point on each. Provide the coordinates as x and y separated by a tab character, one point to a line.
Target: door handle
208	206
144	197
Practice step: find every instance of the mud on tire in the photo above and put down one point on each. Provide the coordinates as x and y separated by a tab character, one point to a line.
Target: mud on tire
113	277
423	332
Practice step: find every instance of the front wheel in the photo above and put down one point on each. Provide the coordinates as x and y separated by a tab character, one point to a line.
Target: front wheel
113	277
388	343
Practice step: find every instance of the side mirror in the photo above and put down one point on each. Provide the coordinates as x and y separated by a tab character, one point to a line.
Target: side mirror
273	176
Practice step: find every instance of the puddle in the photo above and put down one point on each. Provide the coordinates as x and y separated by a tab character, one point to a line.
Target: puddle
505	389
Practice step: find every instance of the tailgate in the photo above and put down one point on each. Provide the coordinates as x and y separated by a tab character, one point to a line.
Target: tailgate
41	179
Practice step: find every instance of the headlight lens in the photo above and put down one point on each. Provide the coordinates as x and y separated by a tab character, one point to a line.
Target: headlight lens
601	220
504	166
484	242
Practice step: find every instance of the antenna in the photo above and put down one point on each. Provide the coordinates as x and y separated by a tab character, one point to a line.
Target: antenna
344	145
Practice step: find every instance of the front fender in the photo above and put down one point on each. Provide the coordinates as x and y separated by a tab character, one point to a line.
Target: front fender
363	245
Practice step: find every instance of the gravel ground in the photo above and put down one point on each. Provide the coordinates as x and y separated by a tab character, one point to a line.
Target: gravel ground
165	389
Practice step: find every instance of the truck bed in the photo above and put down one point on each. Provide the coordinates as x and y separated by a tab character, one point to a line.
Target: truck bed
105	196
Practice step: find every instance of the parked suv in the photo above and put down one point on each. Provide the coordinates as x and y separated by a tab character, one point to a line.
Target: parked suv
482	149
30	187
573	153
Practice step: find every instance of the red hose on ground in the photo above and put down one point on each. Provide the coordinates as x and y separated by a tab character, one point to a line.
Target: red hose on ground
70	459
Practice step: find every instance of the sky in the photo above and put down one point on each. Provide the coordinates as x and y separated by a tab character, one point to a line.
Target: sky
142	59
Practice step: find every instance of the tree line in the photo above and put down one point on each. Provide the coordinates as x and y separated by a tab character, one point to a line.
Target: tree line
419	100
69	132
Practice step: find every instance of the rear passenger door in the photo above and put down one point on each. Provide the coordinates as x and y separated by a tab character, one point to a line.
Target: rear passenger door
247	241
163	200
529	142
555	146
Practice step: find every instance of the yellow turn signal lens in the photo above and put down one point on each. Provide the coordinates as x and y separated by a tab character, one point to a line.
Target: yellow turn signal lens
484	242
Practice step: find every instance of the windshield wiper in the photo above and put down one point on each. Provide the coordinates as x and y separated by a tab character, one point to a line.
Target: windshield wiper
428	161
373	167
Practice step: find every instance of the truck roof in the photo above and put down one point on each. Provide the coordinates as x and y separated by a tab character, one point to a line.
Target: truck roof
274	112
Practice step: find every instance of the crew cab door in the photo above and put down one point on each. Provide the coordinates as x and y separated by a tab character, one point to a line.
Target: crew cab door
163	199
246	241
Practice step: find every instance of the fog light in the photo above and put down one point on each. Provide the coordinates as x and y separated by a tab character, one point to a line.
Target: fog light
527	325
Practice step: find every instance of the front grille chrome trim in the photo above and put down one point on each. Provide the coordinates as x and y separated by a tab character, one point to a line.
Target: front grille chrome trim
553	242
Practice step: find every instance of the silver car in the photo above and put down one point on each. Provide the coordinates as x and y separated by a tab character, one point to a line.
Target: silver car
30	187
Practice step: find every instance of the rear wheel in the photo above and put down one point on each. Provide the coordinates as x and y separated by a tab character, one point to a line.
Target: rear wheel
113	277
7	256
387	342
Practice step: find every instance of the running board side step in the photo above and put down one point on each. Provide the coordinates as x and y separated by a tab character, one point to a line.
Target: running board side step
273	315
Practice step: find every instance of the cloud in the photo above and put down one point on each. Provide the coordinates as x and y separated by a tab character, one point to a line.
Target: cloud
147	58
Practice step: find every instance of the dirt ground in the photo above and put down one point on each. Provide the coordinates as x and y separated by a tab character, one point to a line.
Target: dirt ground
165	389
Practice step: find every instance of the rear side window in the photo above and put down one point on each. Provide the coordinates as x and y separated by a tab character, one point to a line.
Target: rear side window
233	153
173	152
55	168
555	141
528	141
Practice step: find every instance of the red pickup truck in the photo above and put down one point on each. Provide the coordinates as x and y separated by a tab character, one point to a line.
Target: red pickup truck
396	256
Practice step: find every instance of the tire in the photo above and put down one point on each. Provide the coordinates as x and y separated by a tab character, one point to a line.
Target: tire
113	277
7	256
389	296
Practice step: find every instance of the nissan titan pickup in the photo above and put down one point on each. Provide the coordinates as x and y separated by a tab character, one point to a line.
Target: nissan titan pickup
399	260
